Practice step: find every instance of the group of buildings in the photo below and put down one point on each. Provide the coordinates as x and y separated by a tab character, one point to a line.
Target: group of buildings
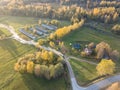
39	30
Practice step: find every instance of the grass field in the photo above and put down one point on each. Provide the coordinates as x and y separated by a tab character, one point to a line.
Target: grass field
5	32
87	34
10	51
83	71
11	80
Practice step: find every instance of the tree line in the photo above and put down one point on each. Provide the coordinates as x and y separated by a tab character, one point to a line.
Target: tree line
61	32
42	64
72	13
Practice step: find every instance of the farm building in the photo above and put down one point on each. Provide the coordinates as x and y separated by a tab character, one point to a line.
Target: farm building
40	29
49	27
27	34
37	32
76	46
53	26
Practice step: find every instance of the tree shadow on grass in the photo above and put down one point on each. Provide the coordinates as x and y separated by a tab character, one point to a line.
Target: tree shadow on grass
10	46
35	83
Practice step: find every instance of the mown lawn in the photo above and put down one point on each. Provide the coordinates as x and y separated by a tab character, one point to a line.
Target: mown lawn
87	34
84	72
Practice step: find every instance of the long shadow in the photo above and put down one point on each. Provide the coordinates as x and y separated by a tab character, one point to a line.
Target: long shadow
35	83
10	46
84	66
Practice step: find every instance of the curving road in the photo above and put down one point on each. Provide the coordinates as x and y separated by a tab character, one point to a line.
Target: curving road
75	86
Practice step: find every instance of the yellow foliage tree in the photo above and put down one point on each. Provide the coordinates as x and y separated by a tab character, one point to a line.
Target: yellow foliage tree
105	67
17	67
30	66
51	56
45	55
61	44
52	44
41	41
52	36
65	30
96	11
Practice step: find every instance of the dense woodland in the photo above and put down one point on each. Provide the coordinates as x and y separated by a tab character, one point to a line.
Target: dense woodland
73	12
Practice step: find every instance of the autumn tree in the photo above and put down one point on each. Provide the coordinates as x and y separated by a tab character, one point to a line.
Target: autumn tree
105	67
91	45
17	67
58	70
52	36
41	41
52	44
115	55
102	49
114	86
52	71
38	57
51	56
55	22
30	66
61	32
116	29
37	70
42	64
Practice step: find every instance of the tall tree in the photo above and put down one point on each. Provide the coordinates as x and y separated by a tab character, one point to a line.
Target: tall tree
105	67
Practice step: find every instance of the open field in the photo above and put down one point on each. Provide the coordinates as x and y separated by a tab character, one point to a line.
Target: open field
11	50
83	71
87	34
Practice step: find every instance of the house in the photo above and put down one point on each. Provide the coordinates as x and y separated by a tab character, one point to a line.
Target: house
76	46
88	51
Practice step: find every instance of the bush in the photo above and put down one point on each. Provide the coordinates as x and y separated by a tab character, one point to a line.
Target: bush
83	54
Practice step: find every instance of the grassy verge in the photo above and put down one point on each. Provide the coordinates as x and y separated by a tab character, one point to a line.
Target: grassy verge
84	72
